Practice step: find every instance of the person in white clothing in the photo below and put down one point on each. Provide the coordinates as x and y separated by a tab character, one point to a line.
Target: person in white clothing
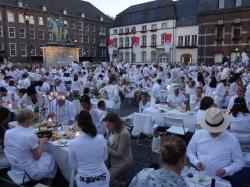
206	103
101	109
144	102
7	96
195	99
235	80
25	82
240	119
213	149
221	90
89	162
5	81
157	90
176	99
58	86
240	92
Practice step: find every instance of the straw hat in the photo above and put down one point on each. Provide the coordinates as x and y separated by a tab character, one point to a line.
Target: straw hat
214	120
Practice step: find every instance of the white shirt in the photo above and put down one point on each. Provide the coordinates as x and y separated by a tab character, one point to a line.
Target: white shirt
176	100
157	91
222	152
220	92
199	114
25	83
231	101
193	102
61	87
63	114
113	95
143	107
26	100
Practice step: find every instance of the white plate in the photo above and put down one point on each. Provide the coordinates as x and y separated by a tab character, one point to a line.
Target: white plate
61	143
60	133
206	182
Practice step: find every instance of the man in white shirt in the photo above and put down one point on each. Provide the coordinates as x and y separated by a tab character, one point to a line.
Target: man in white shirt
213	149
25	81
145	82
195	99
176	99
240	92
58	86
157	90
5	82
7	96
145	70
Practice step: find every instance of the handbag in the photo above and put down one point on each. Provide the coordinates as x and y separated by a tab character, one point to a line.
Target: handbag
156	142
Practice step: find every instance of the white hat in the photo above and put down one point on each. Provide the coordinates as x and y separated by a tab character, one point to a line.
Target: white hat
214	120
146	75
223	76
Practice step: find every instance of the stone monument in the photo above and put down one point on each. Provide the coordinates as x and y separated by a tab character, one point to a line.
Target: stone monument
62	52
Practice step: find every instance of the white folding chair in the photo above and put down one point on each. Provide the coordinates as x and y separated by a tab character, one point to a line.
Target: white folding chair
197	127
178	126
17	178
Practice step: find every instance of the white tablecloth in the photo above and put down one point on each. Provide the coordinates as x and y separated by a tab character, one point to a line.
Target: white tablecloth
189	120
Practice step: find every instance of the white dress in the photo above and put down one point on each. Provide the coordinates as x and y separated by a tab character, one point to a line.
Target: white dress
18	143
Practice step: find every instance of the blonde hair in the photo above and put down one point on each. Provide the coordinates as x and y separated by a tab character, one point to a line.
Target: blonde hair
172	148
23	115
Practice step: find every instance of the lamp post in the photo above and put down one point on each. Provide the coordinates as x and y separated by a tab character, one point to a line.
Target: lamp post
26	16
132	35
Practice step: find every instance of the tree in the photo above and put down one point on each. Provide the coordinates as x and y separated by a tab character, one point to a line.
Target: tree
111	17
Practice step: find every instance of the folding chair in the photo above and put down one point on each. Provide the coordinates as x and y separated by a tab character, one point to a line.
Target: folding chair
77	106
178	126
197	127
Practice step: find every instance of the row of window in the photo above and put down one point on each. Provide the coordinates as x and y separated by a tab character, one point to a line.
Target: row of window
236	32
127	56
222	3
143	28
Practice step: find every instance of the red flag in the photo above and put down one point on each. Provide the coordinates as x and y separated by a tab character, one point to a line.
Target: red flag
136	44
136	40
168	38
111	42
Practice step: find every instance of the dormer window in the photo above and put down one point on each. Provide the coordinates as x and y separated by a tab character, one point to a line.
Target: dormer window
20	3
221	4
101	18
82	14
238	3
44	8
64	12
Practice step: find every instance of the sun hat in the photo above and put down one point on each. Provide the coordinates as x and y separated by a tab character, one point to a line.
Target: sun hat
214	120
224	76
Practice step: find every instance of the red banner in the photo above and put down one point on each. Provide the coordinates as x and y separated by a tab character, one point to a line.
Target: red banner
136	40
168	38
111	42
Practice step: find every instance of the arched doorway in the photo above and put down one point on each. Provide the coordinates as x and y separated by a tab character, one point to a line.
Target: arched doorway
186	58
164	57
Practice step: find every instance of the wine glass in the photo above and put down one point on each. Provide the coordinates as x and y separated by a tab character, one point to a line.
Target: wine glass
191	172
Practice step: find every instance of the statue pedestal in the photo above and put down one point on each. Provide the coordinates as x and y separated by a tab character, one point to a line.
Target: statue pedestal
58	56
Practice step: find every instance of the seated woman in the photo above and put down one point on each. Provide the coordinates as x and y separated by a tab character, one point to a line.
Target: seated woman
206	102
130	93
119	150
4	119
190	88
173	155
240	119
89	162
86	105
27	149
144	102
12	86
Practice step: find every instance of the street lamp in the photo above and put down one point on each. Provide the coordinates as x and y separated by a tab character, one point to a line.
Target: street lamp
26	16
132	35
75	39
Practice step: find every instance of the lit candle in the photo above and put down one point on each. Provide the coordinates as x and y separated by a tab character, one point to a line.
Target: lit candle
49	121
77	134
213	93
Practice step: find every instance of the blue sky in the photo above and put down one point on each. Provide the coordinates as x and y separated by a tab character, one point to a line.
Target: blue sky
113	7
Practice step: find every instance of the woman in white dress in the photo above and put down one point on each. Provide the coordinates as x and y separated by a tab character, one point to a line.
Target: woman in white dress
190	88
240	119
144	102
113	103
27	149
235	80
130	93
210	91
12	86
89	161
221	90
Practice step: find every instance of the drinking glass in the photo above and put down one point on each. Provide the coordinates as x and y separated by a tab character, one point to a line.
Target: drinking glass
202	175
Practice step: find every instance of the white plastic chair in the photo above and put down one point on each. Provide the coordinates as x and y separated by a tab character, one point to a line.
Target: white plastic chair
178	126
17	178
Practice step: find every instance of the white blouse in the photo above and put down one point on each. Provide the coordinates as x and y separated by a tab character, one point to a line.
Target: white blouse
143	107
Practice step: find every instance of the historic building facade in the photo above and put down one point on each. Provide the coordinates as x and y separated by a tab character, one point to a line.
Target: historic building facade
88	28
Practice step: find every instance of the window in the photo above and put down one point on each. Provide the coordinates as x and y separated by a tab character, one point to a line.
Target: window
163	39
41	50
238	3
187	40
1	46
102	41
20	18
143	56
87	51
127	42
103	52
44	8
23	49
133	29
221	3
219	33
93	51
102	30
40	20
164	25
120	42
12	49
115	43
1	31
73	36
115	31
120	30
64	12
41	35
50	35
86	27
93	28
93	39
80	38
126	29
81	51
144	27
32	20
236	32
65	23
32	50
153	57
20	4
87	39
48	19
80	25
82	15
120	56
180	41
194	40
154	26
32	34
235	56
144	40
0	16
58	38
12	33
126	56
11	16
153	40
73	25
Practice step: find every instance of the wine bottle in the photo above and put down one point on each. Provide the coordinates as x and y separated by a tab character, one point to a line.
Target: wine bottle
36	109
213	183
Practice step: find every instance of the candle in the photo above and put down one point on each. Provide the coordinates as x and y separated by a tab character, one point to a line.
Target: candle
77	134
213	93
49	121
